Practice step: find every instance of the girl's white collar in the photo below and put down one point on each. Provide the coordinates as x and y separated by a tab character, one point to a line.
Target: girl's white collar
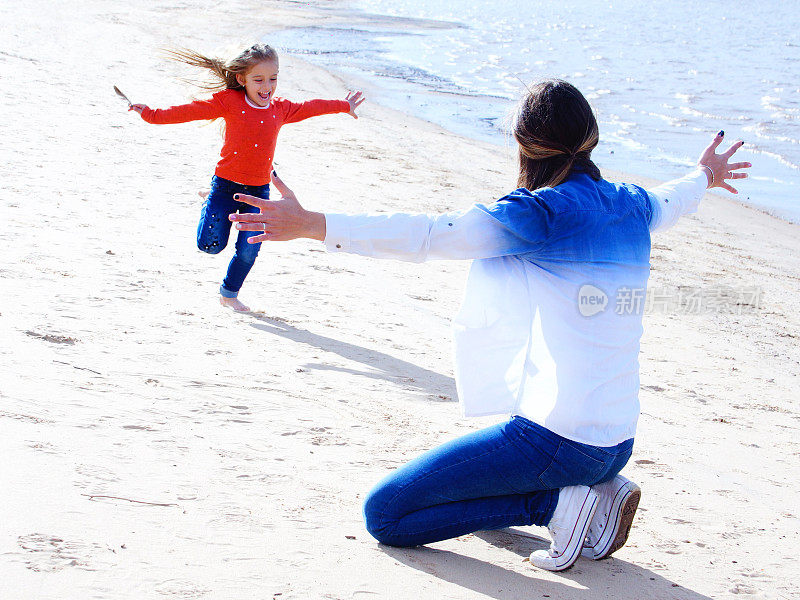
254	105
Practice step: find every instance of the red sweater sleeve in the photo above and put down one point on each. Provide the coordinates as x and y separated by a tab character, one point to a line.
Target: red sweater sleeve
298	111
183	113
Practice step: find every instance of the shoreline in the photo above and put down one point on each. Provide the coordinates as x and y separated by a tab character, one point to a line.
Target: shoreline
157	445
349	18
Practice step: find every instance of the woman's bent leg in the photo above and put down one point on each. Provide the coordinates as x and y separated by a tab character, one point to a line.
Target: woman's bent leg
479	481
505	475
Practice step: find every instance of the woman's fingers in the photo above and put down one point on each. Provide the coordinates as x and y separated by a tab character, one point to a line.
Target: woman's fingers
251	226
280	220
282	187
252	200
719	166
726	186
248	217
729	152
716	141
257	239
712	147
276	235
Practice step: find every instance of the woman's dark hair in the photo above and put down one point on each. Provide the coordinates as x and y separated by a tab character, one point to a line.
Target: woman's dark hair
556	131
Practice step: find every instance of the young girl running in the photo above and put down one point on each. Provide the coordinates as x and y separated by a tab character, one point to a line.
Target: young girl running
253	116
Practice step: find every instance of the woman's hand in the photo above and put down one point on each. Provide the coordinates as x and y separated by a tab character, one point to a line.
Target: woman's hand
717	167
354	99
137	107
279	220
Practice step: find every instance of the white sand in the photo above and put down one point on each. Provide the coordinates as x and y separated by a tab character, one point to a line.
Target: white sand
248	441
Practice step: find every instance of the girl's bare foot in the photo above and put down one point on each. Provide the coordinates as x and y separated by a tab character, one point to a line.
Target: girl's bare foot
234	304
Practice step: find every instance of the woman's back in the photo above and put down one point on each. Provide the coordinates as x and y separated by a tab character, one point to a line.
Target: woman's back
560	323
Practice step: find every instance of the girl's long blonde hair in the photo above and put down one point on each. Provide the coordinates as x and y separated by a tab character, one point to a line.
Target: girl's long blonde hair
224	72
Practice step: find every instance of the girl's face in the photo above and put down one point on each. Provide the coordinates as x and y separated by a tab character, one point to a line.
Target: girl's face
260	81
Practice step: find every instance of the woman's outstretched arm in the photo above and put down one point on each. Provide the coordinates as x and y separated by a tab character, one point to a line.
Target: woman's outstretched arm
472	233
671	200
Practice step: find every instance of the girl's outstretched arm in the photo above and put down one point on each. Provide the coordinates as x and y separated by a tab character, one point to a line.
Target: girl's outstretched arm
183	113
354	99
299	111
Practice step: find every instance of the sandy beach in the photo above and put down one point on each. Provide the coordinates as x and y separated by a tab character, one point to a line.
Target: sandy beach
156	445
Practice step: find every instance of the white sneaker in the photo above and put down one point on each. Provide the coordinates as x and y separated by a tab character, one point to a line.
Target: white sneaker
611	524
568	526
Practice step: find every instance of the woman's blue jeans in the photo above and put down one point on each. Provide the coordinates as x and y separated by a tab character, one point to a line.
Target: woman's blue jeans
215	227
504	475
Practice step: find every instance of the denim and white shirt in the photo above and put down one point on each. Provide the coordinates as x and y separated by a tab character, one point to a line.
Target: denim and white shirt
551	319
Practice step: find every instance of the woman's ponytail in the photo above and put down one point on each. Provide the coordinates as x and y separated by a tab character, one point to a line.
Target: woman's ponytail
556	132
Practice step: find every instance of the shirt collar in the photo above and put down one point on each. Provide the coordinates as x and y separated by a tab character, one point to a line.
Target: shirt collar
254	105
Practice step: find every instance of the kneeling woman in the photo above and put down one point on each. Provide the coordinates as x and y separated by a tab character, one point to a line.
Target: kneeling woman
548	333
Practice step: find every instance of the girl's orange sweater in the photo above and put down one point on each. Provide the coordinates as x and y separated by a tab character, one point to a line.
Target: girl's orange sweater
251	132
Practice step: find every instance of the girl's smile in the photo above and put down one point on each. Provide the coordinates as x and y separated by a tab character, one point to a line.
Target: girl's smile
260	82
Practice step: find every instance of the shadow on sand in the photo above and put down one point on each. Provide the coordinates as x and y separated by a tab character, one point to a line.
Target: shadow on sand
610	578
381	366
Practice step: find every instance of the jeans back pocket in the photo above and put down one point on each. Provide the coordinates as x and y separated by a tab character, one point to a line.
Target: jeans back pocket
571	466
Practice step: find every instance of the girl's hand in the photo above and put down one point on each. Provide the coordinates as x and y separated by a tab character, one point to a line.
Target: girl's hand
137	107
717	167
279	220
354	99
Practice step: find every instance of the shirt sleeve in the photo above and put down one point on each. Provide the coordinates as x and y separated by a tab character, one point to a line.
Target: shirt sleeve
183	113
299	111
478	232
671	200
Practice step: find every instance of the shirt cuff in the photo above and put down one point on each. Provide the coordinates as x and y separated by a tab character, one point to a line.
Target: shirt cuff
700	178
337	233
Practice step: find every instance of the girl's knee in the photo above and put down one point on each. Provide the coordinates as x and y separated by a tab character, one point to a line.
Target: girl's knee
213	230
209	247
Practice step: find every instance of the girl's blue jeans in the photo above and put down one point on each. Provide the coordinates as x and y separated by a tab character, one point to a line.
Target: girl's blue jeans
215	227
505	475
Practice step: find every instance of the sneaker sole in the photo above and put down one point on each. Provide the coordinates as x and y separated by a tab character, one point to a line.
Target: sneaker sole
628	503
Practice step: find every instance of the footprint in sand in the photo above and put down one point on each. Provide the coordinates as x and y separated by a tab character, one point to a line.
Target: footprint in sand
48	553
45	447
94	477
177	588
52	338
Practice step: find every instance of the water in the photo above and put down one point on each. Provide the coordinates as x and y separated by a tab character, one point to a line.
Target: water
663	78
